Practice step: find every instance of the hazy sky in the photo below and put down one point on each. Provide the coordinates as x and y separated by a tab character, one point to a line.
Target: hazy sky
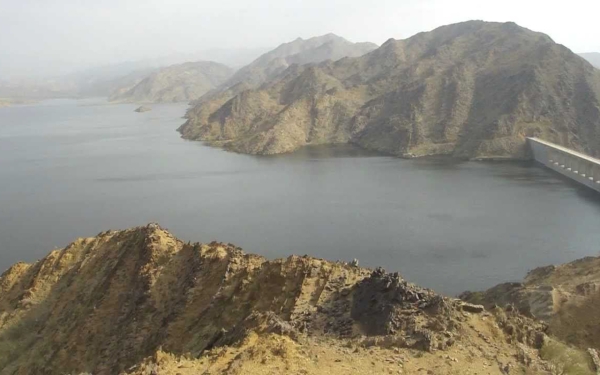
42	35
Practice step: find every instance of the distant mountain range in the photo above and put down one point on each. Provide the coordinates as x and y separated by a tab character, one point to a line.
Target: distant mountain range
105	80
171	78
190	81
592	57
472	90
176	83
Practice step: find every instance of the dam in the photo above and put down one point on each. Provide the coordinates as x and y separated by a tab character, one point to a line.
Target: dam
575	165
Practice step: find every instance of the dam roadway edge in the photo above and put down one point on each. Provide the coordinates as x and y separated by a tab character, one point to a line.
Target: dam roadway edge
572	164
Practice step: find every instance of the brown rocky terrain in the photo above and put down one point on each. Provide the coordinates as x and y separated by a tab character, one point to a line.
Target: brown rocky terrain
469	90
175	83
299	51
269	65
140	301
566	297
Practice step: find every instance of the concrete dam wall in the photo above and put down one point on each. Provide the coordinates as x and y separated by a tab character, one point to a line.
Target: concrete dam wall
575	165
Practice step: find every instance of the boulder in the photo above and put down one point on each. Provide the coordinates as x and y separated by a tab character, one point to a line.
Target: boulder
477	309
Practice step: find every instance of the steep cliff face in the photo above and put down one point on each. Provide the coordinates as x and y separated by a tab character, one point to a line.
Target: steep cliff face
472	90
140	301
567	297
176	83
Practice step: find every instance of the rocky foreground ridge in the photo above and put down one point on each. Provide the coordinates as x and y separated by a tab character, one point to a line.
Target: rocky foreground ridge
566	297
140	301
469	90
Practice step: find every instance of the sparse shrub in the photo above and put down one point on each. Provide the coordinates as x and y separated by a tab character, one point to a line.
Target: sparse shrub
567	360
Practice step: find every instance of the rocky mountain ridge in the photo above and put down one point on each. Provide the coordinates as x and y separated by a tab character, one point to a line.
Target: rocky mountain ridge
140	301
469	90
273	63
299	51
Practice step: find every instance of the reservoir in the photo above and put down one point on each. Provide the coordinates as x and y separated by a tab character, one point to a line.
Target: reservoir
72	168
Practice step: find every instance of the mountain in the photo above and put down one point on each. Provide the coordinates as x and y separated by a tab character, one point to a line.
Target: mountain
104	80
469	90
566	297
299	51
176	83
34	89
140	301
592	57
89	83
273	63
100	82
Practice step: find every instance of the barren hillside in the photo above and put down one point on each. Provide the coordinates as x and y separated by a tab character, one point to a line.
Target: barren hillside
140	301
469	90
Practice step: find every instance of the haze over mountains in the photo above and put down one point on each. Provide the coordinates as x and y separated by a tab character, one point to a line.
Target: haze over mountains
474	89
103	81
469	90
592	57
299	51
190	81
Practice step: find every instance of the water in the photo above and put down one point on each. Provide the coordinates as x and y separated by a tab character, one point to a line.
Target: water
71	169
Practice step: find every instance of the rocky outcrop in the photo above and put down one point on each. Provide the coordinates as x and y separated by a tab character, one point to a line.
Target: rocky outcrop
470	90
140	301
175	83
595	359
567	297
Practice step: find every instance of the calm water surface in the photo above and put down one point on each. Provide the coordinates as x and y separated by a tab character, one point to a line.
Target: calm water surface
70	169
